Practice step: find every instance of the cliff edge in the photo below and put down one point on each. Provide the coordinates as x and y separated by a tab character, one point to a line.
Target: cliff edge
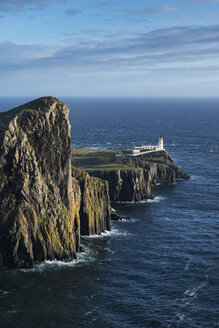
44	204
130	178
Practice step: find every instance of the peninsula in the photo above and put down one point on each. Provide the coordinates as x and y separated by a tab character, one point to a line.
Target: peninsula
51	194
130	177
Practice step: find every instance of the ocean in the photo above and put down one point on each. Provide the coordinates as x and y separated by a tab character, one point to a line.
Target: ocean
160	268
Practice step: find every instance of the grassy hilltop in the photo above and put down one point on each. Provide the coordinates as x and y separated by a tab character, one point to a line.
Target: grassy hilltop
89	159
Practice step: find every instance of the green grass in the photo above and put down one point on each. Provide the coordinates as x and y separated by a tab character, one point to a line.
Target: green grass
90	160
37	106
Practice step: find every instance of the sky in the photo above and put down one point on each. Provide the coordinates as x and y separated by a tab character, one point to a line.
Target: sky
109	48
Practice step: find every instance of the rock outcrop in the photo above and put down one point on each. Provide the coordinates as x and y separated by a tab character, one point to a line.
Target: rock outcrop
134	183
126	185
95	209
45	203
43	206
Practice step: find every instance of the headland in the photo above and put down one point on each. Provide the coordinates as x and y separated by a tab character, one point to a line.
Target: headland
130	177
51	194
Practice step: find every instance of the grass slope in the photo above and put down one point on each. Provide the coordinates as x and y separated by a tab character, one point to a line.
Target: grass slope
37	106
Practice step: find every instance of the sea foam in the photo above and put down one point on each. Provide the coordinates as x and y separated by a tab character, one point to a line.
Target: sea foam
112	233
156	199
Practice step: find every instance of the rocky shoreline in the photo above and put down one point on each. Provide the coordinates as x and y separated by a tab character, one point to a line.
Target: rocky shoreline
46	204
135	185
131	178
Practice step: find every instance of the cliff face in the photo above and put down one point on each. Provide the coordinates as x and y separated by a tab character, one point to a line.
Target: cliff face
135	184
40	202
95	208
126	185
45	203
37	218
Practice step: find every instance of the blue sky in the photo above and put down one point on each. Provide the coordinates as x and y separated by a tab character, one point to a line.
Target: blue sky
109	48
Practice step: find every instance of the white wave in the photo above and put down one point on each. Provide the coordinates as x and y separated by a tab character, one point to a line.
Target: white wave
190	292
126	202
83	257
194	177
193	291
113	233
110	251
156	199
129	220
57	263
4	292
188	264
51	264
180	316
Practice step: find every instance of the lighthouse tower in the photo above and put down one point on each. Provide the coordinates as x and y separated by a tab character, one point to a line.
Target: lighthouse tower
161	142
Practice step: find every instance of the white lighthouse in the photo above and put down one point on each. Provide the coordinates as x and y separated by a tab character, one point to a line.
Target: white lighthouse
145	149
161	142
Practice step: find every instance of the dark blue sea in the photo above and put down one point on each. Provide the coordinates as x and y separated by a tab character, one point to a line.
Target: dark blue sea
158	270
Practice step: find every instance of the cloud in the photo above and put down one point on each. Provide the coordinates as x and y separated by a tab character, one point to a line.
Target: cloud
16	55
72	12
155	10
18	5
160	49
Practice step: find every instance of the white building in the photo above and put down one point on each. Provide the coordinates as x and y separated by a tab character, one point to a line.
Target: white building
160	144
138	150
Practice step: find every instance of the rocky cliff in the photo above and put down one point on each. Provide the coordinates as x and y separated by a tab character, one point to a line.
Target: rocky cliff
43	206
135	181
95	208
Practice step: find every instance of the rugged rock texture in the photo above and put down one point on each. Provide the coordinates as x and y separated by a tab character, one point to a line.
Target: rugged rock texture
45	203
95	208
38	218
135	183
126	185
40	201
